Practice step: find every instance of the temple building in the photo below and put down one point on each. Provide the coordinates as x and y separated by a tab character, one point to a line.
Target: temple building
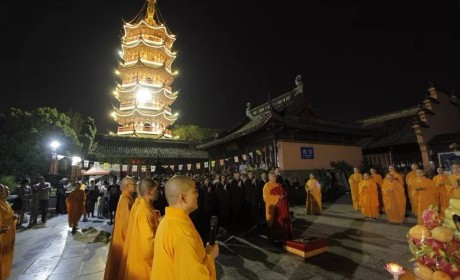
419	134
145	77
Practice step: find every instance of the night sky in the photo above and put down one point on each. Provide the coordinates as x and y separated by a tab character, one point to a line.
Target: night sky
357	58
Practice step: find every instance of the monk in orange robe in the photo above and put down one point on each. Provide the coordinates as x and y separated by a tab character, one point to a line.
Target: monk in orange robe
442	182
9	237
368	197
354	180
128	185
128	238
277	210
424	193
313	189
75	203
178	250
394	200
379	181
3	230
455	180
409	177
144	227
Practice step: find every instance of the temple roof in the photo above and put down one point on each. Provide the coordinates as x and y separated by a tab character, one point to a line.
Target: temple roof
291	110
390	129
129	147
250	126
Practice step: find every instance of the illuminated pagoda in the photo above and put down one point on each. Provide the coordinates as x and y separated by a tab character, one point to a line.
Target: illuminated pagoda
145	77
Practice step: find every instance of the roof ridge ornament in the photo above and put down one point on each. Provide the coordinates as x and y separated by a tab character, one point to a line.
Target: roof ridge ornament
149	16
299	84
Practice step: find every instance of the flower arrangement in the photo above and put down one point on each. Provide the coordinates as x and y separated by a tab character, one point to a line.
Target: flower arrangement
435	246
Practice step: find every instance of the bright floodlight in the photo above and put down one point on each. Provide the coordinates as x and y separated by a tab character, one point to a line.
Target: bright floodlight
143	95
55	145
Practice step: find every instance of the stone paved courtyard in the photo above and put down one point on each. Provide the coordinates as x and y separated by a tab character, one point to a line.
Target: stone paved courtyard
358	249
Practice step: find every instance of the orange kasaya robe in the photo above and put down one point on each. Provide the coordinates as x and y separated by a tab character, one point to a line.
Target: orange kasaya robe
455	183
423	198
394	200
442	182
140	254
313	203
118	236
75	203
277	211
368	198
128	239
179	250
412	175
379	181
8	238
354	180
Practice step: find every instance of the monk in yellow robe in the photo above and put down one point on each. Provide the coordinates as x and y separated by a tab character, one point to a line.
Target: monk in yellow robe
455	180
9	237
3	230
75	203
379	181
313	189
354	180
276	209
144	227
424	193
368	197
178	250
409	177
394	200
128	238
442	182
128	185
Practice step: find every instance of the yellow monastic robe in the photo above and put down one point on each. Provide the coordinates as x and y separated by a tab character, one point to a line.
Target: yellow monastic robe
412	175
270	202
394	200
179	251
442	182
455	182
129	238
354	180
397	176
368	198
8	238
75	203
379	181
140	254
423	198
313	203
118	236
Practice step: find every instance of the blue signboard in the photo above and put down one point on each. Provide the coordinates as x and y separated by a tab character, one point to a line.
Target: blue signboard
307	153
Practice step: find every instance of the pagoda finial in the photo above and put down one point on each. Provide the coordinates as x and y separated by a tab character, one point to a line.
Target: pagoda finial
149	17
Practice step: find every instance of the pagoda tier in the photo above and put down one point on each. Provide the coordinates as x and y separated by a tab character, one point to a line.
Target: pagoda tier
145	77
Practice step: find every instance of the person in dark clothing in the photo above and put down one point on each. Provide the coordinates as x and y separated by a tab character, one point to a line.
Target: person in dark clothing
253	196
114	196
238	196
60	196
223	198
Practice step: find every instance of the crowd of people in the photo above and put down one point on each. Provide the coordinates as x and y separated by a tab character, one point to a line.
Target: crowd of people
163	222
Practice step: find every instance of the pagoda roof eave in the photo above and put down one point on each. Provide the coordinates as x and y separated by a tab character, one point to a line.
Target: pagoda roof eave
128	25
144	113
140	41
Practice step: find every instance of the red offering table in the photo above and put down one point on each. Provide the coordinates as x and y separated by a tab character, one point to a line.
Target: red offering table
306	247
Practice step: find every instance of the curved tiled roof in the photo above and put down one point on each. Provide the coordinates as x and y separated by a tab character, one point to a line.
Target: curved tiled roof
126	147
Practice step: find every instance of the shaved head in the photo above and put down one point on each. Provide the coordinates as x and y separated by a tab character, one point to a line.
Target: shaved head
175	186
146	186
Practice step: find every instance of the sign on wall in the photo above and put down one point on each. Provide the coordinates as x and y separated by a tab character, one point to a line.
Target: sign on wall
307	153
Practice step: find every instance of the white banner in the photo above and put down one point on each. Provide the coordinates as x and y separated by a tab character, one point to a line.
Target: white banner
134	168
153	168
180	167
124	167
206	164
